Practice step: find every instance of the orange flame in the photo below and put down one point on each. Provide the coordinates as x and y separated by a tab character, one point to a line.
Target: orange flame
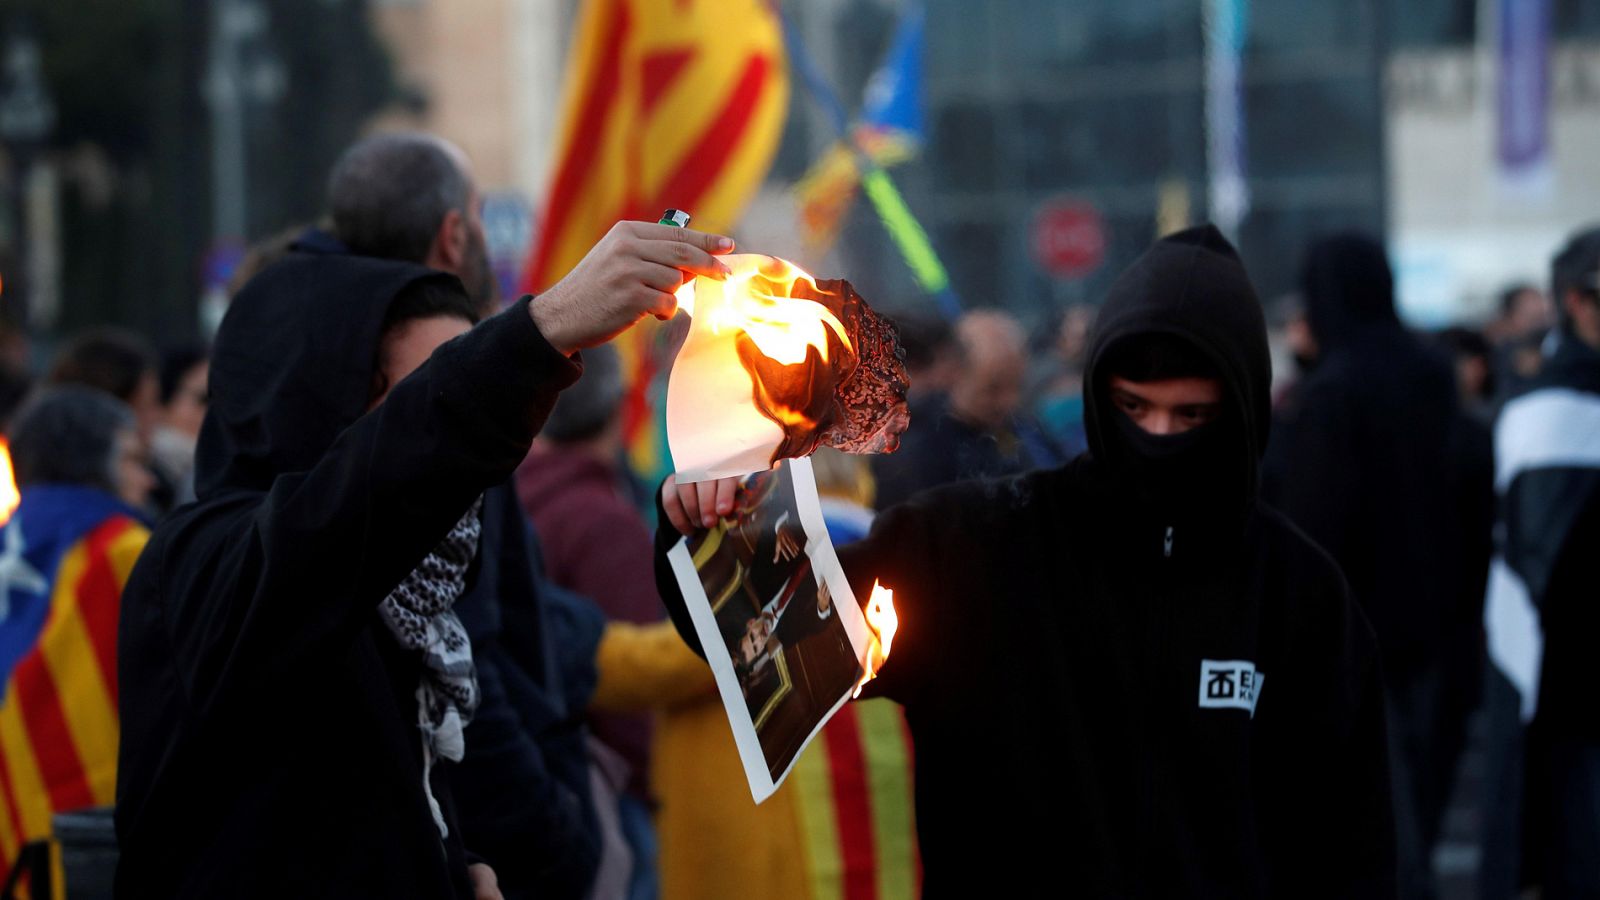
10	497
758	300
883	622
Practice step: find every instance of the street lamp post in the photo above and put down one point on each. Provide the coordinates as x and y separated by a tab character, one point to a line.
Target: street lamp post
27	115
242	71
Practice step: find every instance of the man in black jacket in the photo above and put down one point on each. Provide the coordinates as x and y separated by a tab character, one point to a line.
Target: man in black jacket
292	685
1126	677
1380	465
522	790
1542	612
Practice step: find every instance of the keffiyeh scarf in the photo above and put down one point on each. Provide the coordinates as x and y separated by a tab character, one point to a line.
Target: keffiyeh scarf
420	615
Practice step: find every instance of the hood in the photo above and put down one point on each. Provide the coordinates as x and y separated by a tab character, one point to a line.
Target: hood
1190	285
1348	289
1573	364
292	364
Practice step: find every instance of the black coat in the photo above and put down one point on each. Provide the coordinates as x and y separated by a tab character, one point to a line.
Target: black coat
269	740
1117	695
1379	465
1549	478
522	791
942	449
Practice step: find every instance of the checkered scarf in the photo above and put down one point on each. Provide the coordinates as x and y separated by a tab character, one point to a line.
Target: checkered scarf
420	615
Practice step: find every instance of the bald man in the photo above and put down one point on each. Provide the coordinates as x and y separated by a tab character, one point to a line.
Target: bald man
973	431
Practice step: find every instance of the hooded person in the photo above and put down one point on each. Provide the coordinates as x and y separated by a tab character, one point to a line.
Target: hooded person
294	679
1380	464
1127	677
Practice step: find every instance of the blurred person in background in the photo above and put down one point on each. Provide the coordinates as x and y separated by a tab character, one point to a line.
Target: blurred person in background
1058	395
974	430
183	409
1474	364
411	197
573	486
68	551
1543	618
125	366
118	362
845	490
1380	467
295	675
1518	332
933	355
1294	349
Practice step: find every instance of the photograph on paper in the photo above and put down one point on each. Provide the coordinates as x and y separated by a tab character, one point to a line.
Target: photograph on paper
776	618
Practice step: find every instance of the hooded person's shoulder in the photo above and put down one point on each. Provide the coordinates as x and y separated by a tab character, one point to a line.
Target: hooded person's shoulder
974	506
200	536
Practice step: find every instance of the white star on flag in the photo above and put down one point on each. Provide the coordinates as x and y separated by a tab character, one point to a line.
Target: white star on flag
16	573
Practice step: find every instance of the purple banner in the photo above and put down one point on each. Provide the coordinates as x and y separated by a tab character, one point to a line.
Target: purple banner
1523	97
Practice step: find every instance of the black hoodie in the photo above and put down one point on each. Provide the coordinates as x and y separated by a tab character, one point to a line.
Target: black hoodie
1379	465
1115	693
269	739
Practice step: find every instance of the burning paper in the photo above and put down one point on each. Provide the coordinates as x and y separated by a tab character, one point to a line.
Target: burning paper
10	497
783	633
776	364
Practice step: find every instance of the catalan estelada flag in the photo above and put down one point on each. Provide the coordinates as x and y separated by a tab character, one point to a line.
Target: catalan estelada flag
64	557
668	103
890	132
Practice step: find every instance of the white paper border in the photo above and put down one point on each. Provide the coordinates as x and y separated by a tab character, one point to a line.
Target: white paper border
825	565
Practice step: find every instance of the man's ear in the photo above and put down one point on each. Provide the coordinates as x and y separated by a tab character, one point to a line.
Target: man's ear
449	248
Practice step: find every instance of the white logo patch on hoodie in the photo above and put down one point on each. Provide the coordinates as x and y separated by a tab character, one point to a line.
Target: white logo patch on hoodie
1230	684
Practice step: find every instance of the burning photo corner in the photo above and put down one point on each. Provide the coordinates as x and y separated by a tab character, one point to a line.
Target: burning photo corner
776	364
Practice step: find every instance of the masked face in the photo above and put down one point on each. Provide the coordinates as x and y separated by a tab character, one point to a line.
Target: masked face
1172	439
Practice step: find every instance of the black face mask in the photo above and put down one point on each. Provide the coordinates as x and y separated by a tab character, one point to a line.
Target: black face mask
1184	473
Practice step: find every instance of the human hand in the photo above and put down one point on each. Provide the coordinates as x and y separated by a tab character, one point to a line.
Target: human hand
485	886
692	507
786	548
632	272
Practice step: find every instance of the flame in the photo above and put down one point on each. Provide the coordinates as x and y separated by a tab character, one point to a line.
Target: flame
758	299
883	622
10	497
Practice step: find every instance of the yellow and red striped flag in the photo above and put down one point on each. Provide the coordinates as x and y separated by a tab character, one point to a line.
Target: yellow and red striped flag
58	711
668	103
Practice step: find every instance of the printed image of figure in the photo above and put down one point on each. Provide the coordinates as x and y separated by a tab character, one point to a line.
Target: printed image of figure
784	622
790	652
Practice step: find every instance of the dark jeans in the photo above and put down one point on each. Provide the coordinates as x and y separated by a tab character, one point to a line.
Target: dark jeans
1564	808
1499	868
1427	730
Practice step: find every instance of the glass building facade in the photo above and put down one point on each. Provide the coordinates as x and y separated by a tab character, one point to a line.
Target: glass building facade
1103	102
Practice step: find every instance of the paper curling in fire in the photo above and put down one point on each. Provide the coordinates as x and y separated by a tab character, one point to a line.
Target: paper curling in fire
776	364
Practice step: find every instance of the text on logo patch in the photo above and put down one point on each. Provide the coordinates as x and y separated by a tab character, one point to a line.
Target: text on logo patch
1230	684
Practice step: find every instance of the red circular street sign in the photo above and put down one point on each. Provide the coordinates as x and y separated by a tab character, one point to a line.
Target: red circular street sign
1068	238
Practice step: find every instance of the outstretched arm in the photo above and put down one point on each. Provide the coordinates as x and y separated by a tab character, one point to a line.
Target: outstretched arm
299	577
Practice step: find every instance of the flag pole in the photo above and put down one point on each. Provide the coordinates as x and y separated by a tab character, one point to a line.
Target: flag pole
909	237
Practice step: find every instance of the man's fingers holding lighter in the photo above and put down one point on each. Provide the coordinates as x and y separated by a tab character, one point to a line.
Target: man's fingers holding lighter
650	231
683	256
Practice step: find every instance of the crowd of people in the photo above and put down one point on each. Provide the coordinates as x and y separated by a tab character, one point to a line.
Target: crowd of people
362	599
